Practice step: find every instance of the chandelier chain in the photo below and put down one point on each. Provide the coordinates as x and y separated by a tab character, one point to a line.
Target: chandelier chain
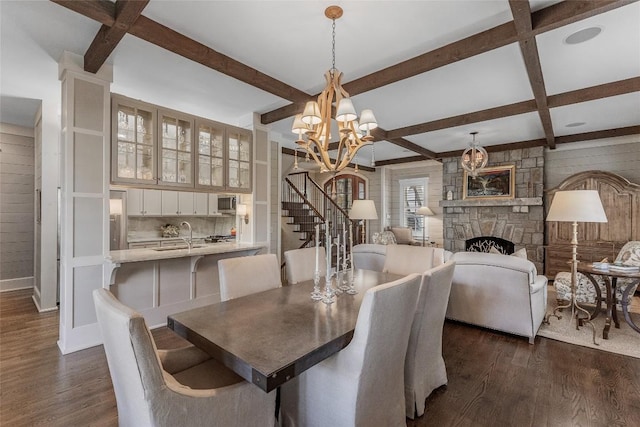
333	46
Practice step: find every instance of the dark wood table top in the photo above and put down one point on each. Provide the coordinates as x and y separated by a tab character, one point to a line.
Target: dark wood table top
269	337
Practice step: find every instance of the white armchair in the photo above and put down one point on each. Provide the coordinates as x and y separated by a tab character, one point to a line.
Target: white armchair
177	387
501	292
586	293
362	385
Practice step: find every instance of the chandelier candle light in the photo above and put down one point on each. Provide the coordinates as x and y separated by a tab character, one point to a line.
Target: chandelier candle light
474	158
315	121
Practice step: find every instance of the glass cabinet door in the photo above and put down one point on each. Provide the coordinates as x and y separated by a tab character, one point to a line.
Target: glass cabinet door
239	160
210	155
134	145
176	156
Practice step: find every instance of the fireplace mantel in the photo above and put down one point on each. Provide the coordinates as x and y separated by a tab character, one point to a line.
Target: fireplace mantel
521	201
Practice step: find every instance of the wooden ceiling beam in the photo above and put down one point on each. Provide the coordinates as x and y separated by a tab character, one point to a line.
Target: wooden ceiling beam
599	134
171	40
568	12
102	11
606	90
108	37
521	11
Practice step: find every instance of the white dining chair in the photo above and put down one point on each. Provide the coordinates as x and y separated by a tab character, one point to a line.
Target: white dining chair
424	368
406	259
247	275
178	387
300	264
362	385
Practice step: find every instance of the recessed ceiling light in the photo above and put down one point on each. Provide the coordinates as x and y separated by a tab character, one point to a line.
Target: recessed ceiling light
583	35
575	124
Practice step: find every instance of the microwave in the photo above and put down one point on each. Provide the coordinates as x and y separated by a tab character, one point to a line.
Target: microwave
227	204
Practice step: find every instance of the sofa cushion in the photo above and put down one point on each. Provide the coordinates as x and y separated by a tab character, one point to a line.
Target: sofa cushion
384	238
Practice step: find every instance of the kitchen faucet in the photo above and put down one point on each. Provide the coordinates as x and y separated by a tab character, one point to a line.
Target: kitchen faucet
188	241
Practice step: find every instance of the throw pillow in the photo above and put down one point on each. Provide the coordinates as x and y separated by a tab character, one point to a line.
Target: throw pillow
520	253
402	234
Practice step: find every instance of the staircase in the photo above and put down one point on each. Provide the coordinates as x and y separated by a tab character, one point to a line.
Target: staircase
304	219
306	205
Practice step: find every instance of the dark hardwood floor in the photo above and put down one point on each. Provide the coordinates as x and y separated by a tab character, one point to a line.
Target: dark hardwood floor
494	379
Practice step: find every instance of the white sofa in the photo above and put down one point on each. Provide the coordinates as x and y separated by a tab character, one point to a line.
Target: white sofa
372	256
500	292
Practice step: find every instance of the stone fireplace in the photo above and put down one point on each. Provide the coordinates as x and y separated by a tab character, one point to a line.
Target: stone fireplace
519	220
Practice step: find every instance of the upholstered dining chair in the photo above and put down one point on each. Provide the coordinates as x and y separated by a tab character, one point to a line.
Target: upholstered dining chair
300	264
362	385
403	259
586	293
174	387
247	275
424	368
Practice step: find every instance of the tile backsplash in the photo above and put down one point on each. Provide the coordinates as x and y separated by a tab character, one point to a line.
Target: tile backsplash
202	226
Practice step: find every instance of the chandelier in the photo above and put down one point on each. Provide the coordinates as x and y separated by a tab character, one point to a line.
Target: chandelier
474	158
314	123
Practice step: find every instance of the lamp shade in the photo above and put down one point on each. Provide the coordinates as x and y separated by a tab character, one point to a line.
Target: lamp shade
346	112
299	126
367	120
241	210
577	206
424	211
311	113
363	209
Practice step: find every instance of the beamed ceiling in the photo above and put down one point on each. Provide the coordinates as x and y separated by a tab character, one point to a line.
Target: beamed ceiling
432	71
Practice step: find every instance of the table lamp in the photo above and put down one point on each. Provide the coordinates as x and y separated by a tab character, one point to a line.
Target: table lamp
576	206
363	210
424	211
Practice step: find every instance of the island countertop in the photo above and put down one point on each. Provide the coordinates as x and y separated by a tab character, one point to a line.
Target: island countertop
150	254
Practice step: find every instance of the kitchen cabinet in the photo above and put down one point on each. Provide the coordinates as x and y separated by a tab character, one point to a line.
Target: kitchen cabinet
200	204
143	202
210	155
239	160
177	203
213	204
184	203
175	149
134	153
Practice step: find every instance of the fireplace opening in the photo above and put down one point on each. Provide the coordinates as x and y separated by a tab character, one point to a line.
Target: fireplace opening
485	243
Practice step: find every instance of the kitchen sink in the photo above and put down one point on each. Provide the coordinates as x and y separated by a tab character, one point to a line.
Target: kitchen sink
175	248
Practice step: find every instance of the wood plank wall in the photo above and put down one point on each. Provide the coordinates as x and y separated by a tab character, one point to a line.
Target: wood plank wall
620	158
16	205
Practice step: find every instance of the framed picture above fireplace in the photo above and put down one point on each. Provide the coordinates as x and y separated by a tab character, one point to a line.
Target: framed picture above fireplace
497	182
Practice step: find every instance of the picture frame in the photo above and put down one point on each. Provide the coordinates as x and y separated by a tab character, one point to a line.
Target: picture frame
496	182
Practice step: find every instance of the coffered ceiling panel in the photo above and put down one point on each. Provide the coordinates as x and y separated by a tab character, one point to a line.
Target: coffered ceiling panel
611	56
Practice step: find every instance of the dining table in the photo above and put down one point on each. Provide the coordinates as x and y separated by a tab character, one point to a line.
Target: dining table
269	337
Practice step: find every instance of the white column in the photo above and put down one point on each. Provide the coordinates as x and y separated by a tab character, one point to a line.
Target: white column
85	155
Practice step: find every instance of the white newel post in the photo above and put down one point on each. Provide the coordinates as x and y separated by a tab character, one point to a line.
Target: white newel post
84	181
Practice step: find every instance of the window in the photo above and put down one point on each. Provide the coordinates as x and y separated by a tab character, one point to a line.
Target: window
413	195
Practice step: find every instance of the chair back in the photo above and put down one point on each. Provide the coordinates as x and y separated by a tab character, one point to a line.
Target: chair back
403	259
424	366
247	275
375	356
132	358
300	264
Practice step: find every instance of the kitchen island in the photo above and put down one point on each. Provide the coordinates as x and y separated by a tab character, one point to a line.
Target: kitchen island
161	281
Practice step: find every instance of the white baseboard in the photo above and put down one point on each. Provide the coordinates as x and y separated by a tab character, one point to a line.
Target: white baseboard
16	284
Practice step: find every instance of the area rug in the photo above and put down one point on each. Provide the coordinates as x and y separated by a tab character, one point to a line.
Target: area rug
622	341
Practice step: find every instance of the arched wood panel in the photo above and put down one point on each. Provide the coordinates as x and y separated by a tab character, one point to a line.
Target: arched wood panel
621	202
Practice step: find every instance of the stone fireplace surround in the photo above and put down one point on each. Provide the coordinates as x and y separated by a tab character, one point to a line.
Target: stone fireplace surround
519	220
